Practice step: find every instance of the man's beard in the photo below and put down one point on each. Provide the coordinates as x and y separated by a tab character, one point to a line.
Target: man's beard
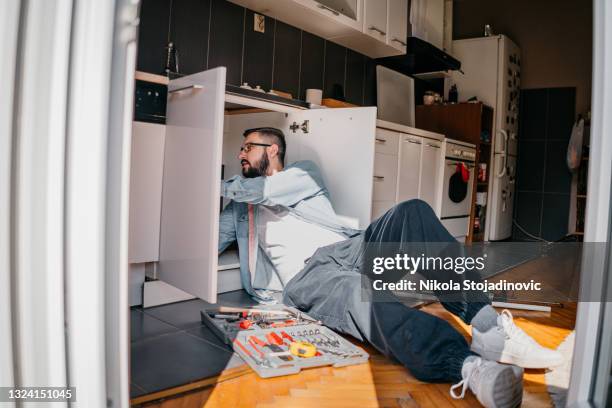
260	168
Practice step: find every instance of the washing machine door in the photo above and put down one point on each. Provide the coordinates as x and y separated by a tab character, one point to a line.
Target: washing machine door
457	194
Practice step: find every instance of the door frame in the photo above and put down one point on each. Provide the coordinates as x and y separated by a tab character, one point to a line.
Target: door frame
588	352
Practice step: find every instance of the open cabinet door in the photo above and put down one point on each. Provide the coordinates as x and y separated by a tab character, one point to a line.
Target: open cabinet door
341	143
191	183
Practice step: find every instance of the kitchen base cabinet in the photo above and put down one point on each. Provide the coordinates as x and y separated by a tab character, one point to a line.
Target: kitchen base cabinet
201	135
409	158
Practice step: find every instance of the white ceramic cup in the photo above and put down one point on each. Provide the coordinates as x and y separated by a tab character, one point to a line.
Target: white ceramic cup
314	96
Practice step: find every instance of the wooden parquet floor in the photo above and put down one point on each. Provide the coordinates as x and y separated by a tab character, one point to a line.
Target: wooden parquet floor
379	383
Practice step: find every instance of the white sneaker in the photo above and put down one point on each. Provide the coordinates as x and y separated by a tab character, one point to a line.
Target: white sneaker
508	343
494	385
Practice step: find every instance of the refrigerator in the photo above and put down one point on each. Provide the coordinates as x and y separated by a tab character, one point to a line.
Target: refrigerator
491	72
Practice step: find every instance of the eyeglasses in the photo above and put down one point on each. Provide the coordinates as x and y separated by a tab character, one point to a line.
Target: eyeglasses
248	146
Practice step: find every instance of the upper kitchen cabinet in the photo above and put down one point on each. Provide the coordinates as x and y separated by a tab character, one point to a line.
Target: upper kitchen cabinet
360	25
325	18
375	19
397	15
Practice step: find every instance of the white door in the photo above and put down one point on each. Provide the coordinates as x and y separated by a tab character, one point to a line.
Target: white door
341	143
409	168
375	19
191	186
430	169
397	15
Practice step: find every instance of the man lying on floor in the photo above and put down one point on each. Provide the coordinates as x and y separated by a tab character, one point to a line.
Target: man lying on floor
282	216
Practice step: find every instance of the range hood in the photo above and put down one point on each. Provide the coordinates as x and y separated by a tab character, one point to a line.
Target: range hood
420	57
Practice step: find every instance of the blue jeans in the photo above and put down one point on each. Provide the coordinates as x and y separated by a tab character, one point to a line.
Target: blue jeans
329	288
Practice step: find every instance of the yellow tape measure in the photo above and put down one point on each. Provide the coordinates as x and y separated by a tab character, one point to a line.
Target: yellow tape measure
303	349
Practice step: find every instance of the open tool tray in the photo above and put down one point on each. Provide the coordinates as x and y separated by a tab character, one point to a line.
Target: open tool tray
267	349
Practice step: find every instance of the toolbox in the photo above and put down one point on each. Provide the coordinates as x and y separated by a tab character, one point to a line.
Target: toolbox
279	340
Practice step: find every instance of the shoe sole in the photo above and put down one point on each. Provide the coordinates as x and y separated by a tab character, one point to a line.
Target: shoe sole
507	380
510	359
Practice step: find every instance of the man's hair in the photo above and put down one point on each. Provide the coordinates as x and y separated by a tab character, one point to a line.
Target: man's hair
274	136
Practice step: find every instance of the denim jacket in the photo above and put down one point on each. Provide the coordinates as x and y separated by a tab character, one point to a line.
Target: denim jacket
299	189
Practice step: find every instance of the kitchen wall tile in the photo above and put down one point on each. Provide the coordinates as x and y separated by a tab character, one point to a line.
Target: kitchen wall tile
153	35
369	86
335	70
311	64
258	53
527	211
558	178
226	39
189	32
530	166
561	113
555	216
287	44
533	114
355	74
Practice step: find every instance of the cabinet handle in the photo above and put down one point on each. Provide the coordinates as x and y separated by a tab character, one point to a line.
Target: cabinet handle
377	29
381	140
379	177
321	6
433	145
412	141
399	41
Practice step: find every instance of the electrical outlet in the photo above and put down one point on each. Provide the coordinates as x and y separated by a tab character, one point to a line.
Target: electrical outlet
259	23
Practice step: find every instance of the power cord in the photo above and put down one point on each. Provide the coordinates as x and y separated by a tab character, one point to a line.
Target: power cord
536	238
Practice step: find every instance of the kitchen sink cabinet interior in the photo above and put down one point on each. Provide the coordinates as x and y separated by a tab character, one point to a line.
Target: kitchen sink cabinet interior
203	132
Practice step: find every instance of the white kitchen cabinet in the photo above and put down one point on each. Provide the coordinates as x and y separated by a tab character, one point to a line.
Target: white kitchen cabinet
191	188
340	141
397	14
147	161
409	158
385	177
409	168
375	19
325	18
361	25
429	186
387	141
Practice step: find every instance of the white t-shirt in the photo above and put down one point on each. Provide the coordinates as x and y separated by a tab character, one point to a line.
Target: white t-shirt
289	241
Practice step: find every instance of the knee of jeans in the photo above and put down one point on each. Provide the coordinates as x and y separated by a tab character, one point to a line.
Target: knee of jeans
412	205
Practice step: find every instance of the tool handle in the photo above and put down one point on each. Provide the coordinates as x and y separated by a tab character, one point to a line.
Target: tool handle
274	338
248	353
252	343
287	336
257	341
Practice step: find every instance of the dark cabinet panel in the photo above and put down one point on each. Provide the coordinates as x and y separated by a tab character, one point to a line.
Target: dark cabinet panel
335	64
287	43
189	32
311	64
258	52
153	35
226	39
355	73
